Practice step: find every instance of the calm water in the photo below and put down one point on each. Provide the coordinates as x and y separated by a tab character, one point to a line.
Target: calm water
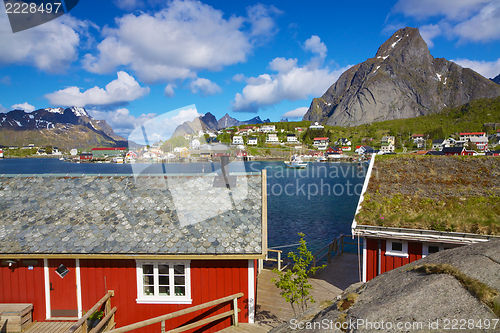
319	201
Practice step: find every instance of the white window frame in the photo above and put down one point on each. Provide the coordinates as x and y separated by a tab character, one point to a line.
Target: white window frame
425	248
390	252
157	299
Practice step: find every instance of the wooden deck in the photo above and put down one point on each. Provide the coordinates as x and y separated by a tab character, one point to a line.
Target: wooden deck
50	327
272	309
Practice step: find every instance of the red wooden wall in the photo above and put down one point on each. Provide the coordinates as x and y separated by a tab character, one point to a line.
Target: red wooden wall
388	263
210	280
18	284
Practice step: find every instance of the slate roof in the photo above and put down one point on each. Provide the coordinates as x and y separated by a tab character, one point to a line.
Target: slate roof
119	215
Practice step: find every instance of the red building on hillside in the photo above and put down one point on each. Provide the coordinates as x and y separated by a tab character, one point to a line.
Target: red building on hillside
161	244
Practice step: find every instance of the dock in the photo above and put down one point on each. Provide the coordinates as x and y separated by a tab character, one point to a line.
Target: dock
272	310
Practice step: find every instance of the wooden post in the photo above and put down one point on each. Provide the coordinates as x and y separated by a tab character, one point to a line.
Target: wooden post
163	326
279	261
84	327
235	309
342	244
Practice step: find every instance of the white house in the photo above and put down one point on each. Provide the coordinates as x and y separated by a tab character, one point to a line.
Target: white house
468	136
387	148
73	152
252	141
321	143
272	138
268	128
291	138
237	140
195	143
316	125
480	142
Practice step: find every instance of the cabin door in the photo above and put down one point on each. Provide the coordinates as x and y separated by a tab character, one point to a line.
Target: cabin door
63	288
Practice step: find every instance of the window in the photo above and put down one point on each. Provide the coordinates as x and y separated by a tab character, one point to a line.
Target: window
166	282
396	248
431	248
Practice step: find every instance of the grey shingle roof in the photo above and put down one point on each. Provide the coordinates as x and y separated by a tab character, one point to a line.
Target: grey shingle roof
119	215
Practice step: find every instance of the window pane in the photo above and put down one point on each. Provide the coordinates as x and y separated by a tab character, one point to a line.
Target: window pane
179	280
433	249
149	291
397	246
147	269
163	280
148	280
180	291
163	269
179	269
164	291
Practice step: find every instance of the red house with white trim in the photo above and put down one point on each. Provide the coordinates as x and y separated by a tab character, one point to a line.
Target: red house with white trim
161	244
386	247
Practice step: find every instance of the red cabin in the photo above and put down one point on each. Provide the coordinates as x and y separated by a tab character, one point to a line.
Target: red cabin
160	244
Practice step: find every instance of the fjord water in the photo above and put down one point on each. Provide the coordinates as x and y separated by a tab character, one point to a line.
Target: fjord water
319	201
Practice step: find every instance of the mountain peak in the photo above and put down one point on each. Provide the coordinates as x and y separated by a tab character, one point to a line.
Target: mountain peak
403	80
406	46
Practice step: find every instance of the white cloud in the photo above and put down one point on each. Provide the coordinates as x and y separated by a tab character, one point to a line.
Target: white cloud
120	120
469	20
484	26
24	106
169	90
429	32
124	89
261	20
239	78
2	109
50	47
315	45
451	9
485	68
178	41
282	65
205	87
163	126
292	82
297	113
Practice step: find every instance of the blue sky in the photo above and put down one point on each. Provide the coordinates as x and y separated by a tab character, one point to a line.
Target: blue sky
128	61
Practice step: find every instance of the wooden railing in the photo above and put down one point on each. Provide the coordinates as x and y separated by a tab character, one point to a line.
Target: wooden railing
268	258
336	246
108	320
233	313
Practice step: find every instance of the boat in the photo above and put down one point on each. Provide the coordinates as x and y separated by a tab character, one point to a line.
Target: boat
295	163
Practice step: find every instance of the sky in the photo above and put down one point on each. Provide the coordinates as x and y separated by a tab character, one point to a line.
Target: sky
130	61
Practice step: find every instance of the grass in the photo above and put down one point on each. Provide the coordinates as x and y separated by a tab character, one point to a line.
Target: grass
481	291
434	193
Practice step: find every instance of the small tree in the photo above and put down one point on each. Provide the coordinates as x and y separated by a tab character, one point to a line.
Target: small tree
294	282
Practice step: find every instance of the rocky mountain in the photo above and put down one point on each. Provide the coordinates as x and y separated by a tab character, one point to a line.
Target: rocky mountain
63	128
496	79
403	80
209	122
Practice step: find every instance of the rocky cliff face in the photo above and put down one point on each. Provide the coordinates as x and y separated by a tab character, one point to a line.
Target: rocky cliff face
403	80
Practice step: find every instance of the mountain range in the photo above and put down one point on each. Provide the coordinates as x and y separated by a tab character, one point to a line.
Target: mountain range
210	123
496	79
403	80
63	128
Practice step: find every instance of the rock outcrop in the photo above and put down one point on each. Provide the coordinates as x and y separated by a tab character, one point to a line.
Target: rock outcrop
403	80
406	295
